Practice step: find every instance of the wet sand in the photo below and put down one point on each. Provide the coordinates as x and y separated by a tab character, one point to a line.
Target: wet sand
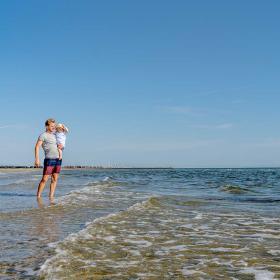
14	170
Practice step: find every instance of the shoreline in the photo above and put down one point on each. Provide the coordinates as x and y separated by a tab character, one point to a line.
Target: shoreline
31	168
15	168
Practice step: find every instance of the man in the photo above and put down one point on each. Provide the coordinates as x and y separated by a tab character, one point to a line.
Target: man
52	163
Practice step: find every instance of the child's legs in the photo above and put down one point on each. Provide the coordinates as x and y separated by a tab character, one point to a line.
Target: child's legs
60	153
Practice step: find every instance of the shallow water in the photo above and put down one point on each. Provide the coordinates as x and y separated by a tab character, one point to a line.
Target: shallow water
142	224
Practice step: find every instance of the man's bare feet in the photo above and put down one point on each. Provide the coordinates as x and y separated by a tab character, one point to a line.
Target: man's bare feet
51	198
40	202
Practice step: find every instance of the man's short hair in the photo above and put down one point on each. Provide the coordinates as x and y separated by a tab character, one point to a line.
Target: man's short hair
49	121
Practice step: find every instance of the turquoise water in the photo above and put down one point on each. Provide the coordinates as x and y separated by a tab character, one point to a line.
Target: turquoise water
142	224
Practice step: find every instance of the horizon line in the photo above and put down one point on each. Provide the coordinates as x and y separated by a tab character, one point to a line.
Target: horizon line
8	166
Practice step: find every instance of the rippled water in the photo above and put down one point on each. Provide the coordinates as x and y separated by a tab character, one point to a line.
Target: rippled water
142	224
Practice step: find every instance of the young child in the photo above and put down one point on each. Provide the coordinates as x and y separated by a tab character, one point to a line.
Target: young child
60	135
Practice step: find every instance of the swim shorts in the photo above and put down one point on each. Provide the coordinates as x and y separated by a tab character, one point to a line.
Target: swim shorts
52	166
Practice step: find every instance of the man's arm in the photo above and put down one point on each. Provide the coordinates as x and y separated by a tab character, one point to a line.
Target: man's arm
37	147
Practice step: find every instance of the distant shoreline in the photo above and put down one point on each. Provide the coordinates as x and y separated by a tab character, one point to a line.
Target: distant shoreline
12	168
20	167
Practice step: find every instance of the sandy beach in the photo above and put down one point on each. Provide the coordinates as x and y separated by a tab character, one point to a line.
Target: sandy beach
15	170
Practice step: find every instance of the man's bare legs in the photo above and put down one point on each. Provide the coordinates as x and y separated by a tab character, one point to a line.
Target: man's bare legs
42	185
53	184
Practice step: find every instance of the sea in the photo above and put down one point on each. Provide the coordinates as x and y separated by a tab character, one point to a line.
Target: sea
142	224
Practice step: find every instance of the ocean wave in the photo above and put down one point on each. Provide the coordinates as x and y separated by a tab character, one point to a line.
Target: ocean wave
87	193
11	194
108	229
106	181
156	204
259	273
260	200
21	181
97	194
235	189
48	269
149	239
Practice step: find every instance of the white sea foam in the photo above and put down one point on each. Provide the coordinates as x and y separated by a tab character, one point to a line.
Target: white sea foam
48	269
266	235
25	180
109	238
20	181
138	240
135	252
62	254
274	252
260	274
188	272
141	243
198	216
106	179
79	195
224	249
178	247
189	226
169	241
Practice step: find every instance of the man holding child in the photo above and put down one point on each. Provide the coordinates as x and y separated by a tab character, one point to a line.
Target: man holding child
52	161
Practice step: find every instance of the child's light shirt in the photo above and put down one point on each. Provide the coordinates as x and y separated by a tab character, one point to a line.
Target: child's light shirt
60	138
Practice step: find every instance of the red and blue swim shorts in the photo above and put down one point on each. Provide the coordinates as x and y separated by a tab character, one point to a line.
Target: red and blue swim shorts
52	166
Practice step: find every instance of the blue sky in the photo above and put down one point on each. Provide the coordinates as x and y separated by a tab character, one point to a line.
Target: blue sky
142	83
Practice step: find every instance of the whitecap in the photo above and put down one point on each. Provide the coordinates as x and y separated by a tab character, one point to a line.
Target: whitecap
49	268
198	216
274	252
260	274
142	243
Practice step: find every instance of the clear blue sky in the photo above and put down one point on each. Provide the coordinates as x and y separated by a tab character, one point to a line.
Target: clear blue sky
142	83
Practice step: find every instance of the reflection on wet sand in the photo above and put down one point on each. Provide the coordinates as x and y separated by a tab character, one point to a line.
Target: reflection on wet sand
26	237
41	204
46	225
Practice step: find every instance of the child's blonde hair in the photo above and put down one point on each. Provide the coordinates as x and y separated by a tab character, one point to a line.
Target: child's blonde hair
63	127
